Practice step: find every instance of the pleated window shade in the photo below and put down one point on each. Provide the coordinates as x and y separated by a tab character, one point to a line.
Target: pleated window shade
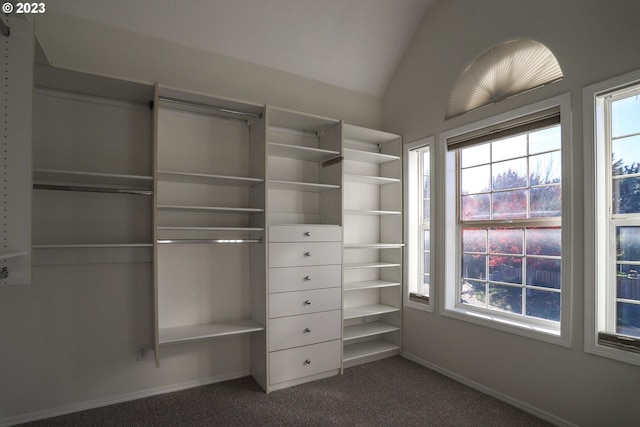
503	71
513	127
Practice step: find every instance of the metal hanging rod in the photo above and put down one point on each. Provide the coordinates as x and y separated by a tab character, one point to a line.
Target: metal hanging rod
209	107
213	241
92	189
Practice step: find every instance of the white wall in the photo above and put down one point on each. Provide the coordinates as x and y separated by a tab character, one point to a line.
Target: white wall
69	340
74	43
593	40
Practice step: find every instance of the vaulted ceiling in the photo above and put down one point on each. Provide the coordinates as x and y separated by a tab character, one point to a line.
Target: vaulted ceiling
355	44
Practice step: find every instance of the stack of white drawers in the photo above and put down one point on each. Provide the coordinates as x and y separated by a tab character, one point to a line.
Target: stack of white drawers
305	301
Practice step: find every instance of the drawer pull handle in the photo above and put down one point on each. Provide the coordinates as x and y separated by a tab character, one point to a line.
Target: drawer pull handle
307	362
307	330
307	302
307	254
307	233
307	278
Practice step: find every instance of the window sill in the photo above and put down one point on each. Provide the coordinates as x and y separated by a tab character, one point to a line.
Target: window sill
612	353
537	332
420	306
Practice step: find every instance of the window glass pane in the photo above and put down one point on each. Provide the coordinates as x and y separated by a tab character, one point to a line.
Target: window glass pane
506	298
625	197
473	293
475	180
546	201
509	148
426	210
628	283
511	174
505	269
474	241
625	154
628	244
506	241
543	241
510	204
543	272
426	187
427	262
473	156
628	319
474	266
543	304
477	207
545	169
545	140
625	116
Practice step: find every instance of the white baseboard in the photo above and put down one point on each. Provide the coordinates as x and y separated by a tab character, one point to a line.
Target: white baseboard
490	392
63	410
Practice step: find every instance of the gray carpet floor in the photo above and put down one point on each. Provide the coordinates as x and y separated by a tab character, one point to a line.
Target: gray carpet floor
390	392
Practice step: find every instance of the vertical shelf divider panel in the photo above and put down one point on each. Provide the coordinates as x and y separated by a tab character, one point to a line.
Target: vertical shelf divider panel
304	262
373	243
209	218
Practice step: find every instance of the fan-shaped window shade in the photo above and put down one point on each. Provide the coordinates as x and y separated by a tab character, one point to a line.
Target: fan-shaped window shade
505	70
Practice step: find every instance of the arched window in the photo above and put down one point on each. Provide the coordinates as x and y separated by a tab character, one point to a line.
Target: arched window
505	70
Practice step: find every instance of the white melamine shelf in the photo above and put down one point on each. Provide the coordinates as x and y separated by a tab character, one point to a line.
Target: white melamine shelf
300	152
370	265
367	330
368	156
370	212
168	227
201	178
183	334
368	284
91	178
367	310
369	179
212	209
301	186
93	245
10	255
373	245
367	348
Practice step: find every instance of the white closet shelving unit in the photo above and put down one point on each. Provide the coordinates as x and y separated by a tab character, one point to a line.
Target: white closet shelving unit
209	217
92	175
372	278
303	306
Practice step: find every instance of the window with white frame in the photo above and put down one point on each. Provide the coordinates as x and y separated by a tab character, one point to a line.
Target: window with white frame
504	234
418	224
612	122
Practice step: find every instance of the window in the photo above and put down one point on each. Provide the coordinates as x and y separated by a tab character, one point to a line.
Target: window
418	224
504	214
612	123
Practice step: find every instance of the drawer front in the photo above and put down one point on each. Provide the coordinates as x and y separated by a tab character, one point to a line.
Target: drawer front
304	278
301	254
304	302
305	233
296	331
286	365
